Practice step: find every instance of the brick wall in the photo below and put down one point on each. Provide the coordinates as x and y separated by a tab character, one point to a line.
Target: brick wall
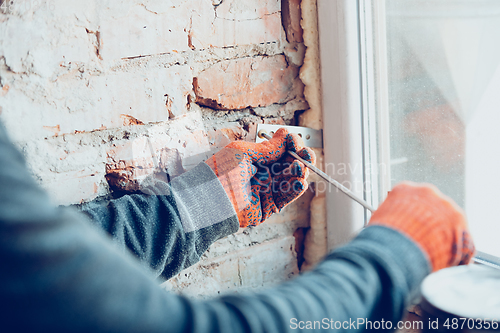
98	94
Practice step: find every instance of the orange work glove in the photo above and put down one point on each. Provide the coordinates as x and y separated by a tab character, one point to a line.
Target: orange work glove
436	223
260	178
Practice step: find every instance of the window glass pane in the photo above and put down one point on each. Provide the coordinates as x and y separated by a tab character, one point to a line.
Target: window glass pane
444	103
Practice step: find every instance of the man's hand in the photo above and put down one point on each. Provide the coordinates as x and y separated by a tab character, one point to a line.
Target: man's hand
260	178
431	219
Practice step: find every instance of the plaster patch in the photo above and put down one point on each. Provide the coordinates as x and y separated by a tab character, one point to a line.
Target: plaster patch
315	241
310	70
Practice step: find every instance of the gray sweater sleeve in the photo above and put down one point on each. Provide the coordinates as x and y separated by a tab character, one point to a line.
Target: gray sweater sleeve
61	274
172	226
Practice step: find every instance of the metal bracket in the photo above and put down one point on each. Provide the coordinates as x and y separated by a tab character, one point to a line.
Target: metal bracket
312	138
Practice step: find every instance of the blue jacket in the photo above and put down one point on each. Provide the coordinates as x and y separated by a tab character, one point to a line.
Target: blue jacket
60	272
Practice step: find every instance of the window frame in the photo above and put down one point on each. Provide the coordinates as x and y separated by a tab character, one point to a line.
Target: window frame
353	53
346	122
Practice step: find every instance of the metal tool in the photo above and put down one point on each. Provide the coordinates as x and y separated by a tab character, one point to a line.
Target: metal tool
480	258
312	138
487	259
263	134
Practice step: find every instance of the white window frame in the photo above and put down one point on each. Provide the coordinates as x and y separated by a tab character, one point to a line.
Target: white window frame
352	39
351	136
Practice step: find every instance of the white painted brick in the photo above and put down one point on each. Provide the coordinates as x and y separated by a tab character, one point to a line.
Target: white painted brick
95	102
236	22
252	267
68	171
234	10
268	263
40	47
142	94
246	237
72	167
187	134
60	78
143	32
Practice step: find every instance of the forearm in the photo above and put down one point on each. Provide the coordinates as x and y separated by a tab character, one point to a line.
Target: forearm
60	274
371	278
172	226
83	284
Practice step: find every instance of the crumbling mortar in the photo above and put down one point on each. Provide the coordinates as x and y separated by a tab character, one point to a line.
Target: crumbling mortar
132	64
204	57
223	116
99	137
245	20
166	60
247	51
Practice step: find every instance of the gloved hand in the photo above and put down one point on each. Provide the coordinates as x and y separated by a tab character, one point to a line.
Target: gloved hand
260	178
436	223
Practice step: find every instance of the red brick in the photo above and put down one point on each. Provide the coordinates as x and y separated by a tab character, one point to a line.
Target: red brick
290	17
248	82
